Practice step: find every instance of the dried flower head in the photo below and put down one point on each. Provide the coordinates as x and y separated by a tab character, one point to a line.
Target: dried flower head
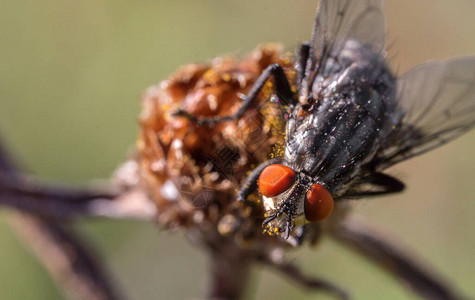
193	172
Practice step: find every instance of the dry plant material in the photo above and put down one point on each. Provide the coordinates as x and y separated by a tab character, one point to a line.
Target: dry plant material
192	172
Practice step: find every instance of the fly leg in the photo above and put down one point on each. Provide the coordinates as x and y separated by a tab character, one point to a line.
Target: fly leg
288	221
288	226
304	53
379	184
272	217
282	87
250	184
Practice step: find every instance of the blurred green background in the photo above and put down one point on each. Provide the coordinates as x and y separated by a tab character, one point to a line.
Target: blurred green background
71	73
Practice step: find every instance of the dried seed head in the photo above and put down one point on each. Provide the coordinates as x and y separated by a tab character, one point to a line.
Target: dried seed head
193	172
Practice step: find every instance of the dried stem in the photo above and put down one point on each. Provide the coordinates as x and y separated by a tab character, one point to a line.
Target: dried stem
70	263
276	261
39	198
228	276
393	260
44	198
74	268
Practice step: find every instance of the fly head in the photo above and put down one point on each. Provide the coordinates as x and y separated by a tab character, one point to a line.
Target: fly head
291	199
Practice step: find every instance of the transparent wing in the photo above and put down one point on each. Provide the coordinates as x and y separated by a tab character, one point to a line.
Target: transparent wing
437	104
339	21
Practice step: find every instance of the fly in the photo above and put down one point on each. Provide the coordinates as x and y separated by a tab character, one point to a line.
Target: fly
351	117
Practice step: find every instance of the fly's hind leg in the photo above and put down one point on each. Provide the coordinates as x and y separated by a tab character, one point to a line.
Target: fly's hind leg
282	87
379	184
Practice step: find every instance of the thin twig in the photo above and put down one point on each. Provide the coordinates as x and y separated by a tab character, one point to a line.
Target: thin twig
393	260
276	260
78	273
75	270
41	199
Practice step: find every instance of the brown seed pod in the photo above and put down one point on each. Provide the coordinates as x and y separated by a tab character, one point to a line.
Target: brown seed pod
193	172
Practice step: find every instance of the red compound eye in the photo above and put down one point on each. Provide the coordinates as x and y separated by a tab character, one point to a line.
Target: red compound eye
275	179
318	204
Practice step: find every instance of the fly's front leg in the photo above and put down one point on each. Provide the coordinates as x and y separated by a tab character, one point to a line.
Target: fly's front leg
288	226
282	88
250	184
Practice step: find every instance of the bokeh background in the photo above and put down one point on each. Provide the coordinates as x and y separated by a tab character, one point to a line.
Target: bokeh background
71	73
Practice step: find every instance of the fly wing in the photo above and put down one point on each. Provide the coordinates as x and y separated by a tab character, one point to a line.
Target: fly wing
339	21
437	104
